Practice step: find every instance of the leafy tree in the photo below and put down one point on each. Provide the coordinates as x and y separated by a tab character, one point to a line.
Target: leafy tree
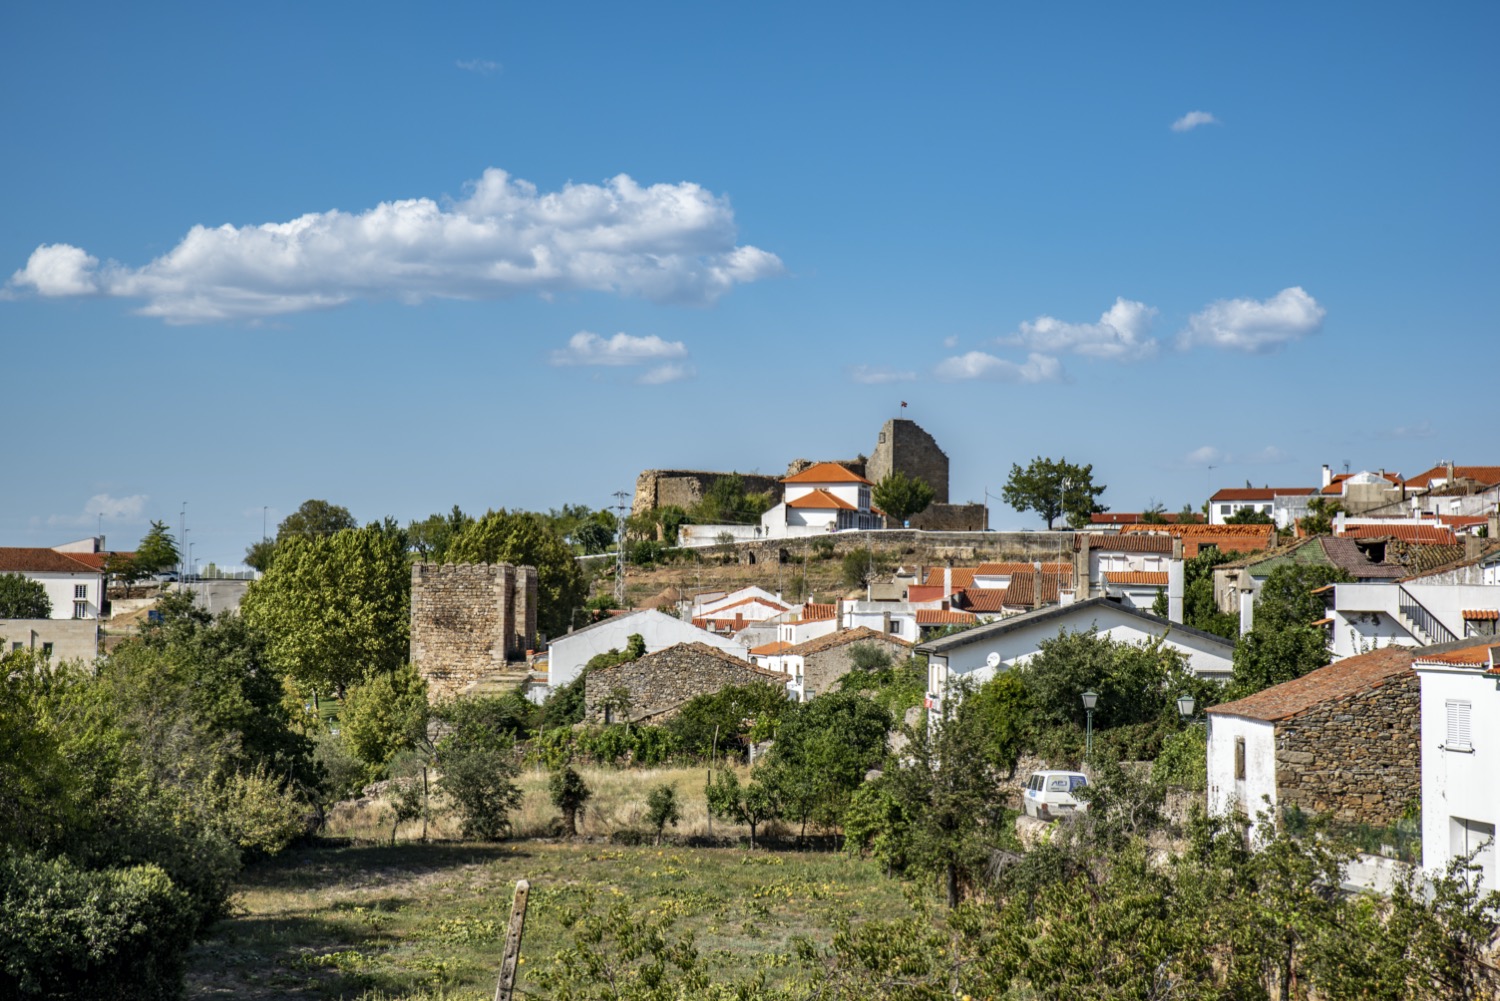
822	751
662	808
737	713
1183	761
478	765
335	608
901	496
1287	599
431	537
568	793
1320	514
527	539
23	598
1199	609
1155	514
896	687
156	552
1052	488
1264	657
1190	516
750	804
384	715
314	519
727	502
860	566
121	569
1001	710
1248	516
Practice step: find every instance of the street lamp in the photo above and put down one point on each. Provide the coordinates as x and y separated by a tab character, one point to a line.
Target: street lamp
1185	704
1090	699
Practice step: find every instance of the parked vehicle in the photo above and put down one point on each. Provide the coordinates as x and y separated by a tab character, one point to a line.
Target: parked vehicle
1050	795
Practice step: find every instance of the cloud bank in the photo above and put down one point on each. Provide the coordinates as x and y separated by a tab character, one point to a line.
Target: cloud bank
1120	333
585	348
1193	119
1255	326
112	509
664	242
979	365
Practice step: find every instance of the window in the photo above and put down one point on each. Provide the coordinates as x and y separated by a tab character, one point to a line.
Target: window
1460	730
46	649
14	647
80	609
80	590
1224	509
1059	785
1239	757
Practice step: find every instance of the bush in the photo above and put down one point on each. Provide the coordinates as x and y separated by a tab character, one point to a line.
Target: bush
726	711
69	932
1183	761
662	809
384	715
478	764
860	566
568	792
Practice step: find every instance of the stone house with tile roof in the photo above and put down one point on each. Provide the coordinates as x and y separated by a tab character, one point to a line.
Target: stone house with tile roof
1341	741
653	688
814	666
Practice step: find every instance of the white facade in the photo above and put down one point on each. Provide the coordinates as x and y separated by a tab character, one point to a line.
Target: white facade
1015	640
73	595
568	654
894	618
1241	765
1370	616
1460	765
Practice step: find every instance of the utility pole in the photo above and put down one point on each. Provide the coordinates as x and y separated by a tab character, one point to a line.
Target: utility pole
620	496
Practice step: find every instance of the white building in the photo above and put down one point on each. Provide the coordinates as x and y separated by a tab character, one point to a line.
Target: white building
1276	503
1409	613
978	654
1460	762
74	588
567	655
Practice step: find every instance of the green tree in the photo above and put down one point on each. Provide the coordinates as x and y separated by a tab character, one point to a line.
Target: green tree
384	715
1155	514
1001	710
822	751
736	713
528	539
1248	516
568	792
430	538
1319	518
335	608
1052	488
1199	609
156	552
313	519
23	598
662	809
478	766
751	804
728	502
901	496
860	566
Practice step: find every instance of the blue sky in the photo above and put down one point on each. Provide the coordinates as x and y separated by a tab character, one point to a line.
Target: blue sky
440	218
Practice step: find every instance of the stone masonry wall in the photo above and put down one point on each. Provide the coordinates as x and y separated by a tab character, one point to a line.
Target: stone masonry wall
469	619
656	488
822	669
659	683
951	518
1357	758
904	446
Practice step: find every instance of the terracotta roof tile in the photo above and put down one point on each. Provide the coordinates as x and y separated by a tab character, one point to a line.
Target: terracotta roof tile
1006	569
1481	654
821	500
983	599
1430	535
767	649
840	638
1484	475
962	577
1490	548
1259	493
1336	681
1129	543
1136	577
1481	615
1023	587
17	559
826	472
942	617
817	612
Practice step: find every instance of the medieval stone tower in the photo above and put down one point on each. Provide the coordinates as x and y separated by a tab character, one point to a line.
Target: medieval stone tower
904	446
469	619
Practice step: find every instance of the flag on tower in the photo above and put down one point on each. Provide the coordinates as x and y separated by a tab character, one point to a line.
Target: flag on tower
903	404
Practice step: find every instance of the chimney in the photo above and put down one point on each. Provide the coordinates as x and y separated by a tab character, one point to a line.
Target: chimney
947	580
1081	570
1494	525
1473	546
1448	466
1327	475
1177	549
1036	587
1175	583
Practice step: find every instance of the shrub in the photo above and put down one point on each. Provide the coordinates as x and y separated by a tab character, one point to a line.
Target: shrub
480	780
568	792
1183	761
384	715
662	809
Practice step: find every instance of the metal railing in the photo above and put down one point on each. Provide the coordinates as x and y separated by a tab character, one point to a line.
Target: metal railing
1417	614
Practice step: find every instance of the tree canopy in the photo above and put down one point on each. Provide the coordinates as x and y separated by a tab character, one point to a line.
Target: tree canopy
335	608
527	539
23	598
727	502
315	518
1054	487
157	551
1282	643
901	496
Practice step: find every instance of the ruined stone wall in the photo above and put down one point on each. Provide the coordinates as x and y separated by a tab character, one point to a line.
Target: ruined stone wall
821	670
903	446
468	620
951	518
658	684
915	546
1356	759
684	488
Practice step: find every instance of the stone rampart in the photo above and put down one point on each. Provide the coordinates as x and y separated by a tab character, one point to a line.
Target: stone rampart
909	545
684	488
951	518
1357	758
468	620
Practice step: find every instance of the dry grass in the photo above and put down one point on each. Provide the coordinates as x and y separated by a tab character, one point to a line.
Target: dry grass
618	804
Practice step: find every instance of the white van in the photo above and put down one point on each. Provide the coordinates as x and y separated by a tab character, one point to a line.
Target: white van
1049	795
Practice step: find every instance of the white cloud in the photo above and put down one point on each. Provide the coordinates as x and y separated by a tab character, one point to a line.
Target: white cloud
979	365
1256	326
585	348
1207	455
665	242
113	509
484	67
1270	455
871	375
1193	119
1120	333
663	374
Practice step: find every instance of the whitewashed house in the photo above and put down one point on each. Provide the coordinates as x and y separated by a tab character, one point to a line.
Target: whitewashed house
567	655
980	653
1461	756
1230	501
75	588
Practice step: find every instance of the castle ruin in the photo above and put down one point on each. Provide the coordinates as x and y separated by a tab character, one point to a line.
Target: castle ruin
469	620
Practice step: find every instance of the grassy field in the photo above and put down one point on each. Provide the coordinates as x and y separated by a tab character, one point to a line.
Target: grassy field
428	921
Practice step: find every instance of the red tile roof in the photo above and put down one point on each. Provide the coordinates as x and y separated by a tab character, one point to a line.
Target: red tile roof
962	577
1462	520
1136	577
1129	543
1230	494
1023	588
821	500
767	649
983	599
1484	475
1226	538
1481	654
940	617
96	561
826	472
1481	615
1351	676
815	612
1006	569
1426	535
17	559
843	636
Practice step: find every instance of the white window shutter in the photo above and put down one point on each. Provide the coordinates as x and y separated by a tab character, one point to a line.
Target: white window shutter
1460	734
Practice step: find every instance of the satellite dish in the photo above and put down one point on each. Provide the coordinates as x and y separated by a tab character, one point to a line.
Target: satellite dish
992	661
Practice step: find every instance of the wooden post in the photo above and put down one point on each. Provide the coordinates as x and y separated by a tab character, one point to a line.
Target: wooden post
505	989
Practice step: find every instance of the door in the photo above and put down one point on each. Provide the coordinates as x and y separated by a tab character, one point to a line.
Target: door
1477	837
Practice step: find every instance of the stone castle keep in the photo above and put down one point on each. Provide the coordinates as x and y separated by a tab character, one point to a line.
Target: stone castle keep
468	620
902	445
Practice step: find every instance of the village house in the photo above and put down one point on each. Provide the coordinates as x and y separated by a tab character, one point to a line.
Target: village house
813	667
1460	712
651	689
1341	741
1237	583
978	654
567	655
1230	501
74	581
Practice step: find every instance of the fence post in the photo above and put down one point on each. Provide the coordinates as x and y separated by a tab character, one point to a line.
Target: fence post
505	989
